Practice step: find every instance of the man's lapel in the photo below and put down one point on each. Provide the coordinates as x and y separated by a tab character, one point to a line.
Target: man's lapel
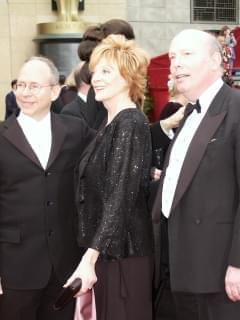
195	153
14	134
58	137
199	143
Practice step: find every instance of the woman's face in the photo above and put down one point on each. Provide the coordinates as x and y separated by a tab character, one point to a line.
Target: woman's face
108	83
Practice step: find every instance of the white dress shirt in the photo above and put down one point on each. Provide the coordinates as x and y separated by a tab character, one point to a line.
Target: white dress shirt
181	144
82	96
38	135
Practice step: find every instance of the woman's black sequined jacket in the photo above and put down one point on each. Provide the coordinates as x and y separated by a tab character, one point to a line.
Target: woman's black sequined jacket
113	217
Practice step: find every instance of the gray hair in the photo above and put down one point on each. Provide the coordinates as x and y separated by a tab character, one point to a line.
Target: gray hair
52	68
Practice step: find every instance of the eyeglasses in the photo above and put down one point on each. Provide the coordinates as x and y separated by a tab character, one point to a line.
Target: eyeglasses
34	88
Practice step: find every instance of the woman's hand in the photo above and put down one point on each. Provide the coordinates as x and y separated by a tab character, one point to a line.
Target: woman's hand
173	121
85	271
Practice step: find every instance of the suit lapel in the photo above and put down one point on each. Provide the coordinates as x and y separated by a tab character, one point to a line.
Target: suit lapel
195	153
199	143
58	137
14	134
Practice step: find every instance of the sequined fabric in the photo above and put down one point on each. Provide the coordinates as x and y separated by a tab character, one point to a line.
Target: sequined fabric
112	208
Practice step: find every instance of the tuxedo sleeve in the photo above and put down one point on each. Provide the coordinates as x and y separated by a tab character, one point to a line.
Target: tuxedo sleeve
234	256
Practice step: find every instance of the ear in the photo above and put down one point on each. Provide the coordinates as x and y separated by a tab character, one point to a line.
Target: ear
55	92
217	60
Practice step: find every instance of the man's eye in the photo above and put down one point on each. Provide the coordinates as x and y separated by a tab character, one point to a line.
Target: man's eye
21	85
34	86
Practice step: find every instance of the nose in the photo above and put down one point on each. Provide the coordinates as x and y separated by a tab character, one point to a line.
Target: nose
177	61
95	77
26	91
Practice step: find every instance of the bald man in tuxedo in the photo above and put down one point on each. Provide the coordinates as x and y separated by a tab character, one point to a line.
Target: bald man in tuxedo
199	191
39	150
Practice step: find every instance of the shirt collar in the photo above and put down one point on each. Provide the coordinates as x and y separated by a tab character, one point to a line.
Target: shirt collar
25	119
82	96
207	97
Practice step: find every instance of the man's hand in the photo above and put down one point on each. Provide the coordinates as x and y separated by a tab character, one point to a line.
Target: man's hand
232	283
155	173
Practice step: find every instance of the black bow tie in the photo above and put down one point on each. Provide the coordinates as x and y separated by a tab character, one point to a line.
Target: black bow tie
190	107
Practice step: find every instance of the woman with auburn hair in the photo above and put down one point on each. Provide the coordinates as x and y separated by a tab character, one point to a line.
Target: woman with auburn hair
114	224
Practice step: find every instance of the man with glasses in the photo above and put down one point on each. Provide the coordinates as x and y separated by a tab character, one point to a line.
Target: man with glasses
39	150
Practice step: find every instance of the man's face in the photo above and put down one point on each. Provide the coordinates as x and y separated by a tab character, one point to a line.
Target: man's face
35	89
191	64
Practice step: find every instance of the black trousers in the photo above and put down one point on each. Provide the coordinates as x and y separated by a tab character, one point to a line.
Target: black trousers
34	304
164	306
211	306
124	289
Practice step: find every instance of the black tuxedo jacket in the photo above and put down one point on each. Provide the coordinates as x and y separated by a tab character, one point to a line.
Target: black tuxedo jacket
11	105
204	224
93	112
37	211
76	108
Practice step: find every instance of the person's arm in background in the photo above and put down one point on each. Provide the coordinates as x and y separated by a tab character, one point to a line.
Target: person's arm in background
167	125
232	277
162	134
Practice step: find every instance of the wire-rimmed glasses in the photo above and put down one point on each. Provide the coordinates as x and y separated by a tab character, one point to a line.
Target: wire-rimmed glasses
34	88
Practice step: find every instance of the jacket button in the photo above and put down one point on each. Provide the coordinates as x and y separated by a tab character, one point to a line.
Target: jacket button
198	221
47	173
50	232
50	203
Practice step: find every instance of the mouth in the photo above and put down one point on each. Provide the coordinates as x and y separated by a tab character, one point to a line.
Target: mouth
98	88
26	104
181	76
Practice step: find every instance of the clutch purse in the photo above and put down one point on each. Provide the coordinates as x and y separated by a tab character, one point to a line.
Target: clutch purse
67	294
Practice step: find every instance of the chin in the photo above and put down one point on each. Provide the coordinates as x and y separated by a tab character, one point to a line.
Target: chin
99	97
27	112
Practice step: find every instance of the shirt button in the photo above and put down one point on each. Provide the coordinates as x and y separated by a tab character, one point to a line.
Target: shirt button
197	221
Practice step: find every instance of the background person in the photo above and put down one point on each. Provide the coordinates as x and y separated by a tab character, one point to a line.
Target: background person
10	101
230	42
163	130
91	38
